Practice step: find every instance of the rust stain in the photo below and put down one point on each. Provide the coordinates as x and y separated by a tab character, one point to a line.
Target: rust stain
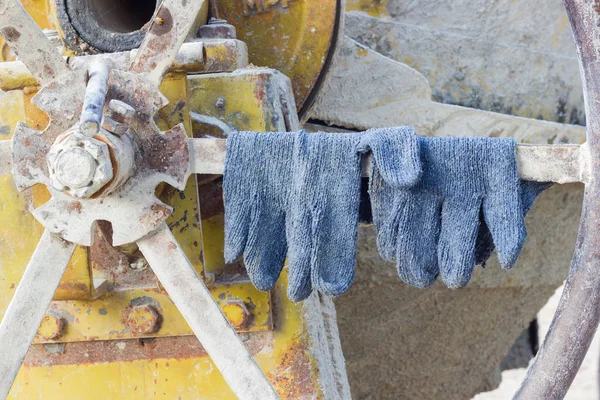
11	34
293	376
178	347
74	206
210	197
163	23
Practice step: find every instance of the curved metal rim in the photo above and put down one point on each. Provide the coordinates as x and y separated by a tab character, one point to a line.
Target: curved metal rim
576	319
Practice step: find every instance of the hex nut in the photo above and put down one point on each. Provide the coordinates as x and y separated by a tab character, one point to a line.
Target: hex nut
236	313
142	319
52	326
79	165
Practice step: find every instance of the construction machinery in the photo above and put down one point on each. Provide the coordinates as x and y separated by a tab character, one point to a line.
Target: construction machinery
113	282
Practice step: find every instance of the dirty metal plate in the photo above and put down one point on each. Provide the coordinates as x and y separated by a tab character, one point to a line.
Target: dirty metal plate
107	318
296	37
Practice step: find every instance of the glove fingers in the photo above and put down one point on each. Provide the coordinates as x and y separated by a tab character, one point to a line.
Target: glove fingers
237	221
266	248
387	232
334	259
417	237
456	247
503	214
300	253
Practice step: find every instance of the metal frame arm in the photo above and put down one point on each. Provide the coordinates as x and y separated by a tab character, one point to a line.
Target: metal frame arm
29	304
576	319
192	298
541	163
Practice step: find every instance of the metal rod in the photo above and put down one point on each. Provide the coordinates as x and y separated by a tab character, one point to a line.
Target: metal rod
542	163
171	25
192	298
95	96
578	313
27	39
29	304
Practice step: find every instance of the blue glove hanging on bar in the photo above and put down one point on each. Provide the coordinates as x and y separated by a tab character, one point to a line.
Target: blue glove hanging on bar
256	190
485	244
432	227
322	224
299	191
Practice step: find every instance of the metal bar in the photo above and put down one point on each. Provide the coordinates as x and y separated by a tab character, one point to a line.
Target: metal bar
170	27
26	38
29	304
212	329
542	163
95	96
578	313
5	156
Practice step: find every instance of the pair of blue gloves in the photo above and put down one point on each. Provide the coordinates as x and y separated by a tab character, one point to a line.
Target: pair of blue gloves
439	205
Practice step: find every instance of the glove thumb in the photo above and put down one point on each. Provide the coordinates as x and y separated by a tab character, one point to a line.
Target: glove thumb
394	155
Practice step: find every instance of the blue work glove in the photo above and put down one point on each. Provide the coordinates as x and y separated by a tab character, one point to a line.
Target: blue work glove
432	228
323	224
485	244
300	191
256	190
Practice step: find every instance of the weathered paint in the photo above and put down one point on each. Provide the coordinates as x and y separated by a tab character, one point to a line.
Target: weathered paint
298	42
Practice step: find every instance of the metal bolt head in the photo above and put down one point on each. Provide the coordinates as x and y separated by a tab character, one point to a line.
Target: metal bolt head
79	165
142	319
52	326
114	127
120	111
236	313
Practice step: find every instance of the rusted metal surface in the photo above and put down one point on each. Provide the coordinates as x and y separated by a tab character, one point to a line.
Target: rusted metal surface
170	27
29	42
166	160
176	347
29	304
578	314
52	326
206	56
141	318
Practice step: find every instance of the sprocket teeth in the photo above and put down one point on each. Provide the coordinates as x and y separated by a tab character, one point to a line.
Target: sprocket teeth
168	155
62	106
142	95
29	157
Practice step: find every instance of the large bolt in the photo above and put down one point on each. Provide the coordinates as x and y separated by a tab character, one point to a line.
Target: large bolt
52	326
141	319
236	313
79	165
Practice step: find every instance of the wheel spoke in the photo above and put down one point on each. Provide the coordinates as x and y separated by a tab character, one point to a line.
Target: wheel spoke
195	303
27	39
29	304
170	27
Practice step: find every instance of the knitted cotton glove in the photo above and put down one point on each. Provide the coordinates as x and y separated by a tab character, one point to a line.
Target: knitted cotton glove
256	191
485	244
431	228
323	223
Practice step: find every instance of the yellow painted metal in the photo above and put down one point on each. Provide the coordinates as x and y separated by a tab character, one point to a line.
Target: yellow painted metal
95	356
292	36
375	8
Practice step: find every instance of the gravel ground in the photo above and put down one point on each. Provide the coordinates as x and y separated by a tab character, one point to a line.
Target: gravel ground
585	386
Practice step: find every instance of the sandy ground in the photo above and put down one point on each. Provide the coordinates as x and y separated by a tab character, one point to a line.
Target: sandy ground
585	386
